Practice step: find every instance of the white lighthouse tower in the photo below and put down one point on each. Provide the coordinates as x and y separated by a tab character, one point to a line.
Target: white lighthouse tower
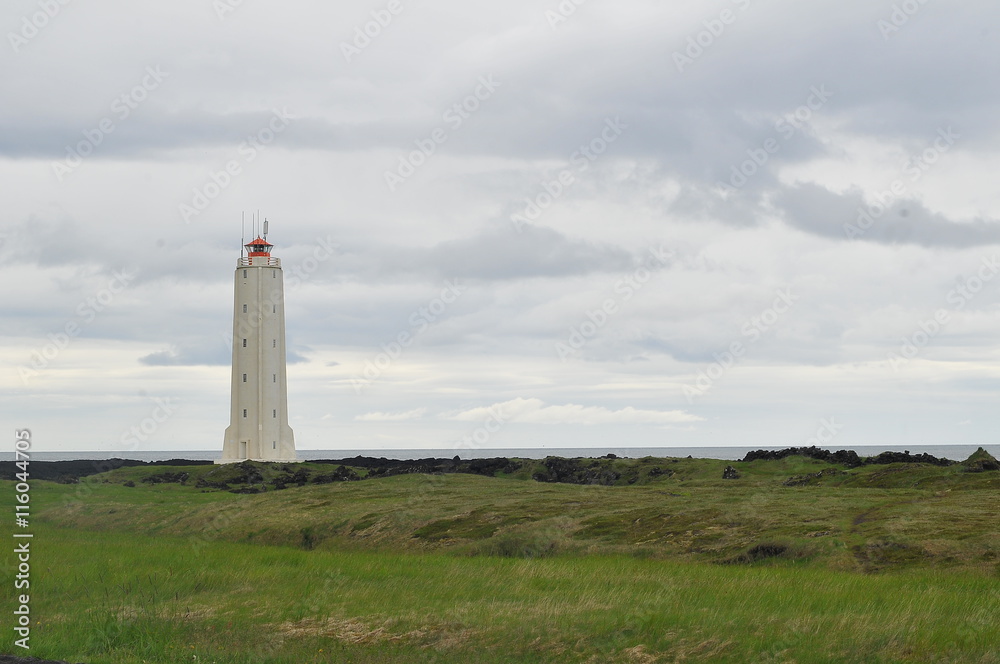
258	422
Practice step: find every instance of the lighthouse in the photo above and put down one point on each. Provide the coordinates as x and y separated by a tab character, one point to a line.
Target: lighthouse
258	421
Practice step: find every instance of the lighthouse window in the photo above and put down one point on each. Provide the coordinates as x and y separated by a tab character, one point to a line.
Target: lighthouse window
274	413
274	343
274	308
274	378
244	274
244	343
244	412
244	308
244	378
274	275
274	444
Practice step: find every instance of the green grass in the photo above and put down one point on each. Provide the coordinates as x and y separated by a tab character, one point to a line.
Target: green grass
104	597
877	564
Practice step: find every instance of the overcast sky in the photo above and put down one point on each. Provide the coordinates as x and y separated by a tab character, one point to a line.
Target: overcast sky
630	223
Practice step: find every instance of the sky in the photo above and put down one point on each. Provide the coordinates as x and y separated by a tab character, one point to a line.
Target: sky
506	225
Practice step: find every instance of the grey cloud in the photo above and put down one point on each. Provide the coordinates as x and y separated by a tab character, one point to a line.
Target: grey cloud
818	210
504	254
498	254
206	352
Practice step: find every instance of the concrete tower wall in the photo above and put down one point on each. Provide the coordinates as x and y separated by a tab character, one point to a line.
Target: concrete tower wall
258	427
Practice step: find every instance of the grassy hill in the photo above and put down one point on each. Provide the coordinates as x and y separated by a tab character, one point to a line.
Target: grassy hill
797	559
794	508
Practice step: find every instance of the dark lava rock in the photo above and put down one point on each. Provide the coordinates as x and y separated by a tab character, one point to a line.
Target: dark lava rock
906	457
981	461
341	474
169	478
573	471
848	458
382	467
730	473
299	477
202	483
656	471
248	474
490	467
810	478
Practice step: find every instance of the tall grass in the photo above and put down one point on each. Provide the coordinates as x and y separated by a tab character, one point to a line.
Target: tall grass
111	597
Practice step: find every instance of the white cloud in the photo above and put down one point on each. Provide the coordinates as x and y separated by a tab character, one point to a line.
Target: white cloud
535	411
414	414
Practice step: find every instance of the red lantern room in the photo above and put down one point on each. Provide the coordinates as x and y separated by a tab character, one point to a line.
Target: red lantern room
258	247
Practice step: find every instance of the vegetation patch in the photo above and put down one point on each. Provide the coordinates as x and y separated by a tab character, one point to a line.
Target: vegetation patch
464	527
813	478
159	478
577	471
759	552
981	461
878	555
518	544
341	474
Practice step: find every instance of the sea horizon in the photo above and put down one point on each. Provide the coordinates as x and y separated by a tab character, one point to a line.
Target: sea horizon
956	452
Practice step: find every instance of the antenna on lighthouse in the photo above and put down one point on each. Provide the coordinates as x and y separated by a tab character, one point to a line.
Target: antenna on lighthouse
243	232
265	228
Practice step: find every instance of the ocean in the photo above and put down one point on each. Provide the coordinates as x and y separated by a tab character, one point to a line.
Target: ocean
954	452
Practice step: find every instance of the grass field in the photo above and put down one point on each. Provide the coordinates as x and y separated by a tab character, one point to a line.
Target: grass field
893	563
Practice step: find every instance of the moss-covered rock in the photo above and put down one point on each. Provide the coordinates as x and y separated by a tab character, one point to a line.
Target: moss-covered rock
981	461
